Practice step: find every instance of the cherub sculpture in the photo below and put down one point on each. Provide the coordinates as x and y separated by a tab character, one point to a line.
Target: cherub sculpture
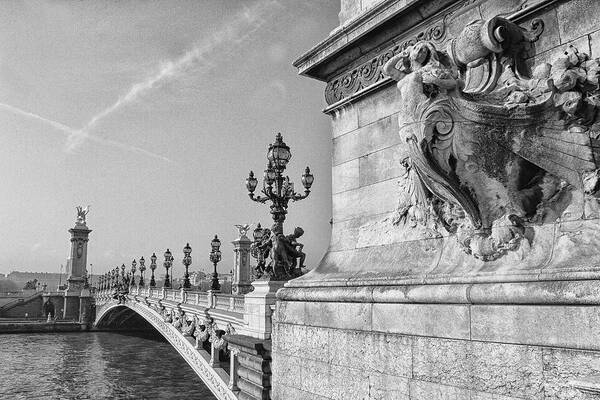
261	250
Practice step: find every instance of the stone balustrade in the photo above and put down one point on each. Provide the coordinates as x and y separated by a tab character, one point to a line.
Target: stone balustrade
226	310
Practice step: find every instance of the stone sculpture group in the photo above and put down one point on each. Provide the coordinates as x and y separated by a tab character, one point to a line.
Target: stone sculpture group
285	253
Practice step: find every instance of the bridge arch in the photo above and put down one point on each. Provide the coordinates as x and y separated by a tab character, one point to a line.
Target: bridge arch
130	313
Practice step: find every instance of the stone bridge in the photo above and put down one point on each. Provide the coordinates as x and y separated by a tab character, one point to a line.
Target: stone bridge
224	338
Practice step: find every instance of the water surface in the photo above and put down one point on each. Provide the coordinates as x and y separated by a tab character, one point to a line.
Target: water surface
94	365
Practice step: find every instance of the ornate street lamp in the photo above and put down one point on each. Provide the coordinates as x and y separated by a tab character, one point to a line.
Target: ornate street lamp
257	234
142	270
215	257
153	267
255	251
187	260
168	264
133	265
277	188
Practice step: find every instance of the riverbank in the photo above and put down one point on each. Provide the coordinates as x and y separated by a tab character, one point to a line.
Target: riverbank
39	326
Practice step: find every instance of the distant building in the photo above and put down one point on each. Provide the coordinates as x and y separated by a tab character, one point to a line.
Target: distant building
51	279
196	277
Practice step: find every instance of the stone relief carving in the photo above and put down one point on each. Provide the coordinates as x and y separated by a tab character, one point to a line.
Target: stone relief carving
201	334
189	326
371	71
490	149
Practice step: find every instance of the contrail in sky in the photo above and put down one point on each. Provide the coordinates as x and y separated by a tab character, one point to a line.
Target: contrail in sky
233	32
57	125
71	131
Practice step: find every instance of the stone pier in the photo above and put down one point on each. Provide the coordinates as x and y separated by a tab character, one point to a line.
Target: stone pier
464	260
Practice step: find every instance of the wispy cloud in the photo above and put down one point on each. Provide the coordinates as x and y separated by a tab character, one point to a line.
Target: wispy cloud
232	33
71	131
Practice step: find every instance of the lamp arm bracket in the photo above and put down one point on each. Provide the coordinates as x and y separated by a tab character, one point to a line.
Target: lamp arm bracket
297	197
258	199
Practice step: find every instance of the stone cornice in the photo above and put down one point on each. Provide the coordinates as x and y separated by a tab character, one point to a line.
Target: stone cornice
350	31
554	292
361	79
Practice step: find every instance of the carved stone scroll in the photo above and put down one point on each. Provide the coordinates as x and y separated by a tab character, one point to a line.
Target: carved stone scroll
492	150
371	72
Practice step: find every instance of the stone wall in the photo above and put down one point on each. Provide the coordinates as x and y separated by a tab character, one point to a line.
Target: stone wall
32	307
390	315
425	351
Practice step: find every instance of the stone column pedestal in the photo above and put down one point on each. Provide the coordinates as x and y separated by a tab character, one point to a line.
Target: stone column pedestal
241	266
77	261
85	307
257	307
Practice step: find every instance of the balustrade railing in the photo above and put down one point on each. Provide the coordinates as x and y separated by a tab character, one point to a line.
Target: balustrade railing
238	303
169	294
218	301
229	302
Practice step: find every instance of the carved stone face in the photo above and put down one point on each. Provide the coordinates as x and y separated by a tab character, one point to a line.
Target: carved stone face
419	55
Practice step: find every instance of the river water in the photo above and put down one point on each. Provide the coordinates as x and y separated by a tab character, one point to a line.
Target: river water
94	365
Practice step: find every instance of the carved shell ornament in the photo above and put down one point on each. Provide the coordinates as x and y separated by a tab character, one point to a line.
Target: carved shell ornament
483	138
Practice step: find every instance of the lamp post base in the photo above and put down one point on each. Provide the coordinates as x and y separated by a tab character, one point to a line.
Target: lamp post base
186	280
167	283
215	282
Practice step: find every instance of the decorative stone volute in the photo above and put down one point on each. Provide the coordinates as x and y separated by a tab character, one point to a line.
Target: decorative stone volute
490	150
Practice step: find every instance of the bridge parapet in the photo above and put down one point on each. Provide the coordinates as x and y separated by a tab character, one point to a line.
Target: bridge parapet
225	310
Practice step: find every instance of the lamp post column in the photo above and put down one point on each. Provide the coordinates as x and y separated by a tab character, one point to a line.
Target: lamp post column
215	257
123	283
153	267
167	264
133	265
142	271
187	260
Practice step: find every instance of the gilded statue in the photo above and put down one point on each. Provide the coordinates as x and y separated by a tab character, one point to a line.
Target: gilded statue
81	214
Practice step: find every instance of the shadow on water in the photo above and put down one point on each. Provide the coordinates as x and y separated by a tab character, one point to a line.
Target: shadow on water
148	334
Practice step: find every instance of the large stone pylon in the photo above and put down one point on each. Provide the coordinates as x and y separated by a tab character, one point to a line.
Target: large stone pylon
77	292
77	261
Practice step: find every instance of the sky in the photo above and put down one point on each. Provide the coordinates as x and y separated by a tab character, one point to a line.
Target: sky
153	113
